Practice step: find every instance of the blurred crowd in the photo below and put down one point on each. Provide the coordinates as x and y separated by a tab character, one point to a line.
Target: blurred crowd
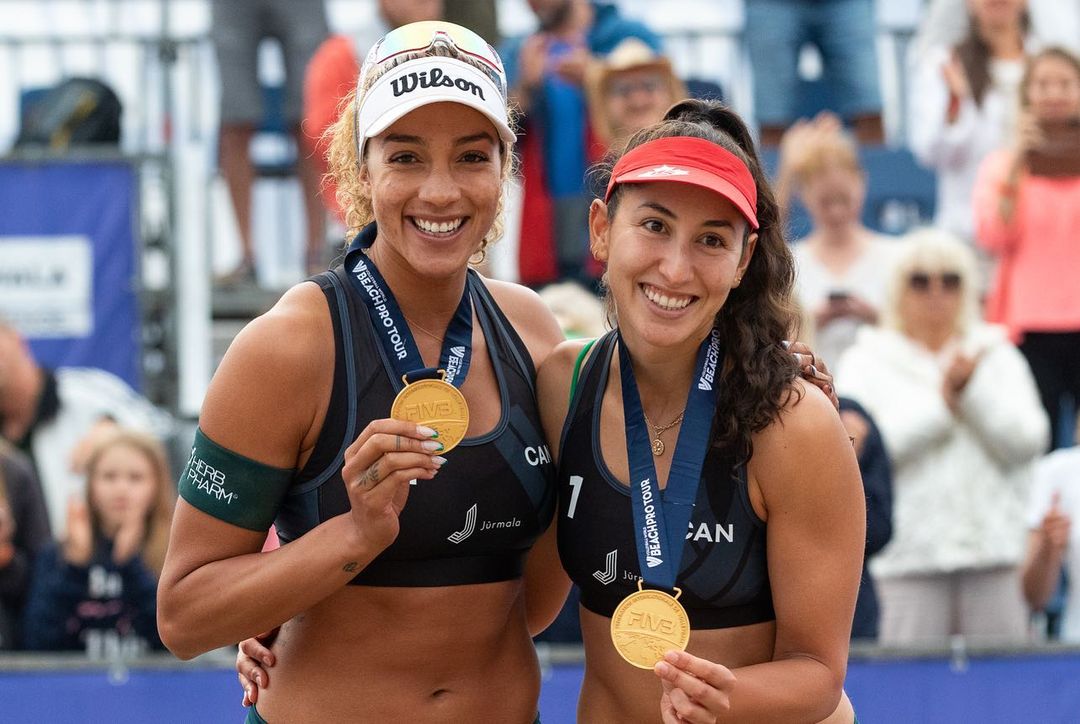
956	346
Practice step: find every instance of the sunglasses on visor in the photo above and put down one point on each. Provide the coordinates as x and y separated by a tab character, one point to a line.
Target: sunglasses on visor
419	36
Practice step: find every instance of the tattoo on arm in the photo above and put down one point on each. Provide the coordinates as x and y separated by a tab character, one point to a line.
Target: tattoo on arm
350	567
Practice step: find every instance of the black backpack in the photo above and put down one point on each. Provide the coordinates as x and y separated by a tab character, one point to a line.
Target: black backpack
74	112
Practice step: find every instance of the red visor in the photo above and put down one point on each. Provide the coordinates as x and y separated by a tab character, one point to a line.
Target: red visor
687	160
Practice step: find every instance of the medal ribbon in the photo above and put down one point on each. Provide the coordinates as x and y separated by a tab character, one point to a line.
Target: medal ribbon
661	517
392	328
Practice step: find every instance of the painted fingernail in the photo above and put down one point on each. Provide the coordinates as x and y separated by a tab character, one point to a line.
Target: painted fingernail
426	431
785	343
432	445
438	460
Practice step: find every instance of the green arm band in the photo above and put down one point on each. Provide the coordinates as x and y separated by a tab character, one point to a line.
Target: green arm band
231	487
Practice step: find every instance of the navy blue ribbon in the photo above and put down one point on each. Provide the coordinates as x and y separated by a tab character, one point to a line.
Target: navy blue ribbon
661	517
392	328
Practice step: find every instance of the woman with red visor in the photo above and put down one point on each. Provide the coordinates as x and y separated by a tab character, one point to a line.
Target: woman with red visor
436	626
710	505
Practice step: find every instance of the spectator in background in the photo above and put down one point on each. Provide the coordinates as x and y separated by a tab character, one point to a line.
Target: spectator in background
945	22
546	72
57	417
1027	208
1053	540
843	32
842	266
961	419
577	310
332	74
96	591
963	101
237	27
628	89
876	471
24	530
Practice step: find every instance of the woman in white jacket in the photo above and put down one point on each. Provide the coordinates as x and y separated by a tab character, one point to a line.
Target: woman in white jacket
961	418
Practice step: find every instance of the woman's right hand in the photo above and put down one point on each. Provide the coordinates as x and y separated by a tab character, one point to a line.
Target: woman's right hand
252	656
379	466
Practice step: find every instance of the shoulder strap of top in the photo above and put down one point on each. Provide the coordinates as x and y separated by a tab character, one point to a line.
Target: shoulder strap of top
577	365
503	328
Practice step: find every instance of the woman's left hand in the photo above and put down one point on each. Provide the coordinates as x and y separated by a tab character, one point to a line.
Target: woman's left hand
695	689
814	370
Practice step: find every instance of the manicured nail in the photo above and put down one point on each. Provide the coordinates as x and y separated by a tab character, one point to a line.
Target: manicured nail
426	431
438	460
432	445
266	660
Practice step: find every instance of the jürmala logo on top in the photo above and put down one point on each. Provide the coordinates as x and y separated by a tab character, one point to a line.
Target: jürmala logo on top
436	78
470	526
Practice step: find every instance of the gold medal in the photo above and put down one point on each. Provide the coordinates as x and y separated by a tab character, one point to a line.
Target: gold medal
436	404
647	624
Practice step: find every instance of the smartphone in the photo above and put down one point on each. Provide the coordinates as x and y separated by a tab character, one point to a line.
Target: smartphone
839	295
1059	154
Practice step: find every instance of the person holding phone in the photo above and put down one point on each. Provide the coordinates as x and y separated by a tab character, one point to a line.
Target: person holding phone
1027	211
842	265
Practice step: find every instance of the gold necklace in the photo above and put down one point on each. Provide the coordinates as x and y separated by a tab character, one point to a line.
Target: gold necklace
657	443
434	336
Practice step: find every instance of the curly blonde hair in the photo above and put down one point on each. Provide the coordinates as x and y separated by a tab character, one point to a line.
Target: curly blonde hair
345	168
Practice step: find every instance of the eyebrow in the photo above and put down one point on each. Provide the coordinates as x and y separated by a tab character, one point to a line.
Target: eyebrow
661	209
419	140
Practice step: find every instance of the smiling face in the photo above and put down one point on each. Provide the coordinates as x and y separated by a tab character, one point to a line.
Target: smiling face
434	179
674	252
122	483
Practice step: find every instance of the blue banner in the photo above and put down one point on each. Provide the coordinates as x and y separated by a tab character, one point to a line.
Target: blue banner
68	272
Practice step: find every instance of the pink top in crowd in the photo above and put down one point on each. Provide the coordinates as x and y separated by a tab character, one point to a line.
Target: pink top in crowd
1037	285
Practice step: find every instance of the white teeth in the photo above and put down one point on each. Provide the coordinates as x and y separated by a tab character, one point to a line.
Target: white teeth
662	300
435	227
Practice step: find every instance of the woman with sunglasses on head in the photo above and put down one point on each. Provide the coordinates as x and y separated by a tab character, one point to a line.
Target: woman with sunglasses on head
336	415
709	499
961	418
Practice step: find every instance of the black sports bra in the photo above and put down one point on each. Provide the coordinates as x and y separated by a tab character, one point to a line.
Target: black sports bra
723	573
476	521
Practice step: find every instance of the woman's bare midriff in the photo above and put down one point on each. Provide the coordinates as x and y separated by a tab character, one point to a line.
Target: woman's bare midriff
613	690
366	654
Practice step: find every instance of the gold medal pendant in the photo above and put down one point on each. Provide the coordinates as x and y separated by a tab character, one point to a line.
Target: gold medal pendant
436	404
647	624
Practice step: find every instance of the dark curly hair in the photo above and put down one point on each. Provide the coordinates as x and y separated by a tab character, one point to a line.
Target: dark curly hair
757	376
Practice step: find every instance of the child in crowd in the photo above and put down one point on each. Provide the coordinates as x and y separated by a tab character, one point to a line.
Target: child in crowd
96	590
